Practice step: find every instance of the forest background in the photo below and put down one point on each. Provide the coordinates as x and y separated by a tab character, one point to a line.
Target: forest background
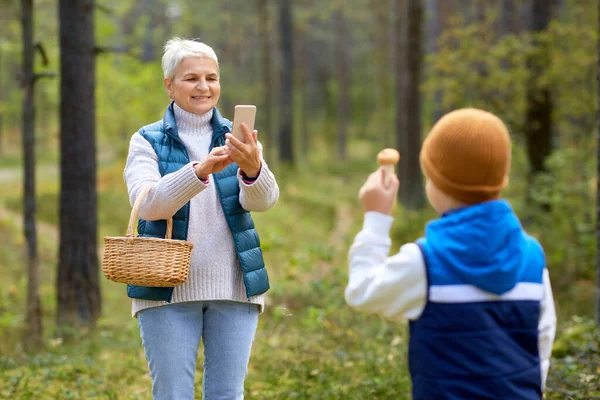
334	82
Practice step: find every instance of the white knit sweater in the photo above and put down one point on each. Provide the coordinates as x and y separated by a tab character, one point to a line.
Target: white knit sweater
215	272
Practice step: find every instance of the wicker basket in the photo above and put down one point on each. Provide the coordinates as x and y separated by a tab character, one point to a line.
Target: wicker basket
146	261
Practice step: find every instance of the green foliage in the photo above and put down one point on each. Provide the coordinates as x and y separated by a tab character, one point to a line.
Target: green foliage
568	230
576	364
472	68
128	93
309	344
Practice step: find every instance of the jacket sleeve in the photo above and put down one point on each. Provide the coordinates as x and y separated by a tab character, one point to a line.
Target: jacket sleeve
169	192
394	287
546	327
261	194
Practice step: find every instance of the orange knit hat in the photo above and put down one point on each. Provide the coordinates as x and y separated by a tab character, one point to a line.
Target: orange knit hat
467	155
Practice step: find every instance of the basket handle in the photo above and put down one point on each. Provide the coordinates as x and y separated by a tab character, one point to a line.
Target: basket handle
133	217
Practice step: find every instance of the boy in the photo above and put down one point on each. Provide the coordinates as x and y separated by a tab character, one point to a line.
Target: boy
475	289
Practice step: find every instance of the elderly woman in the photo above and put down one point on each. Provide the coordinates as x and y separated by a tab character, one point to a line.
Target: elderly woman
207	181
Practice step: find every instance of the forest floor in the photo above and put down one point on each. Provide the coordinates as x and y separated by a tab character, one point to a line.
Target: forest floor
309	344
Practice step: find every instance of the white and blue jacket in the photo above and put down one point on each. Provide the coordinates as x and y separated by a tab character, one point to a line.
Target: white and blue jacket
478	297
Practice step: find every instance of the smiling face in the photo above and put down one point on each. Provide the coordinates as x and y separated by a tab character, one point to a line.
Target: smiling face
195	86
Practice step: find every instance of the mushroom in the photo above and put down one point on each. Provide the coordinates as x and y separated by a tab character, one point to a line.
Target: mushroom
387	158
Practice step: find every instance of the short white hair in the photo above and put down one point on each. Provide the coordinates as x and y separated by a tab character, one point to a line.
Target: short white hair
177	49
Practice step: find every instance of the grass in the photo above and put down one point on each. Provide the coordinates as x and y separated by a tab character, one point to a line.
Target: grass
309	345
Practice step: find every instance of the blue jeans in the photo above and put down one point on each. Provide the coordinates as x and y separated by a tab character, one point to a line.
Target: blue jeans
171	336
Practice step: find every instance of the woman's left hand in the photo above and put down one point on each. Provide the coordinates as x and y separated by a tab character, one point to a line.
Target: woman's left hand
245	154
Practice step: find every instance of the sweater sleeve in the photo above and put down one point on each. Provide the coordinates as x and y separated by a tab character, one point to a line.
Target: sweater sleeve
546	328
169	193
261	194
394	287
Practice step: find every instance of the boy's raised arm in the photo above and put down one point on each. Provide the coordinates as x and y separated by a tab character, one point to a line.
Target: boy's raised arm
393	287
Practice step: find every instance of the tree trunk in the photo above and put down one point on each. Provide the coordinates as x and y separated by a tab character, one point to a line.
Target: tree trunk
263	13
148	48
196	30
342	61
508	22
4	88
148	53
383	94
434	32
286	141
304	77
1	132
130	20
317	73
598	185
33	334
538	123
408	67
78	288
525	15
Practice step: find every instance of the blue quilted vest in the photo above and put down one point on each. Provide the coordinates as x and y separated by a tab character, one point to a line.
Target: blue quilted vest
477	337
172	155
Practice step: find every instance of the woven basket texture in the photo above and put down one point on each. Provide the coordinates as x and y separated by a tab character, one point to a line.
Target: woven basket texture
146	261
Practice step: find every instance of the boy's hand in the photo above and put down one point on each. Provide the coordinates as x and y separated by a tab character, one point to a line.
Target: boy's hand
375	196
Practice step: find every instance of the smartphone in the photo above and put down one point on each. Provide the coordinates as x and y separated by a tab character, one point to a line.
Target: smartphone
243	114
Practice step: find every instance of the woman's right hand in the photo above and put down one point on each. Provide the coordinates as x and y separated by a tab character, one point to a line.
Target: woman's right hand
214	162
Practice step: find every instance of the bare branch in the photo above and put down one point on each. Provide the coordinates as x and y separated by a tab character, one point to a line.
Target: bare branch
43	75
119	50
40	48
105	9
